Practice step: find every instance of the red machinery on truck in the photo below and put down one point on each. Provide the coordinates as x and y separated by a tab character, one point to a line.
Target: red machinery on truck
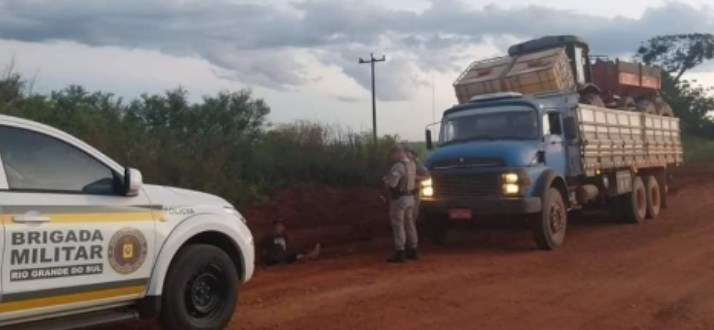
557	63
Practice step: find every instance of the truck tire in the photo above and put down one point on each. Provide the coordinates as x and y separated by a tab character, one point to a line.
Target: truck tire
437	228
549	227
654	198
665	110
635	202
626	103
646	106
592	99
201	290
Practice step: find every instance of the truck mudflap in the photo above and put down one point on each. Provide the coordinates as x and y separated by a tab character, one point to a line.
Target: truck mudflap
491	206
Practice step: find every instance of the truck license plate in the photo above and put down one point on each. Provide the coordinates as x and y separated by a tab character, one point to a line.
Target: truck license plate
460	214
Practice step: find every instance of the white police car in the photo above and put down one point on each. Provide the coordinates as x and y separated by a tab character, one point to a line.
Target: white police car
85	243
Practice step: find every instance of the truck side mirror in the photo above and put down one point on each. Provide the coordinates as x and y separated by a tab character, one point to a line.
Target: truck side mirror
429	143
571	128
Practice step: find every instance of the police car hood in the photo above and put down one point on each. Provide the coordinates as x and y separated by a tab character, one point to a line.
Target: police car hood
171	196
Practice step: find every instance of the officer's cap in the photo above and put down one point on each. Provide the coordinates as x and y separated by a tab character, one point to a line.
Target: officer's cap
397	148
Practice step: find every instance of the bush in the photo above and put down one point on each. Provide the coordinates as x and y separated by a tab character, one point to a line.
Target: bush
222	145
697	149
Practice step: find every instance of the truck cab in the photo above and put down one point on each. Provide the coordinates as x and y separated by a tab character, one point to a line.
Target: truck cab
501	154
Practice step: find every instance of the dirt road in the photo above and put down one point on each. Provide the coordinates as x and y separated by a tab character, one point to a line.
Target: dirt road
659	275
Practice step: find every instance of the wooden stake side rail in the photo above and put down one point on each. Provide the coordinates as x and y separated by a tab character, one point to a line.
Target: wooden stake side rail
617	138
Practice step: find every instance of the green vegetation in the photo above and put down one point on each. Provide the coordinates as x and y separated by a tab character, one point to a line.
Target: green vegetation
697	149
222	145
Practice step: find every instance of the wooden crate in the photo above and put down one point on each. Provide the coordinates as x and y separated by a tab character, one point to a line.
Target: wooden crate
482	77
545	71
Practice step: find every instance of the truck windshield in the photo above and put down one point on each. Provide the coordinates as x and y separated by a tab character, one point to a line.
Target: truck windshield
498	123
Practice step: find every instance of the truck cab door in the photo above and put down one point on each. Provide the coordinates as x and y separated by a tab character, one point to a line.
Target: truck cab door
554	142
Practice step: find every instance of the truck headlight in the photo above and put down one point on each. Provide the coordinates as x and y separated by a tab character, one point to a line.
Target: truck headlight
510	188
509	178
427	190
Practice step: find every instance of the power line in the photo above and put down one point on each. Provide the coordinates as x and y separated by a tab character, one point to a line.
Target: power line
372	62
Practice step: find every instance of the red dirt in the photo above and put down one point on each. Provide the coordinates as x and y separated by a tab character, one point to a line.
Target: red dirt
333	217
607	276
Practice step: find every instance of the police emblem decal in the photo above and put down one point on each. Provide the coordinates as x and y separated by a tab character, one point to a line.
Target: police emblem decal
127	251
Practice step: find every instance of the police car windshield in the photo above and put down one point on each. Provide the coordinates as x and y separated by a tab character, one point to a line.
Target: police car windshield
497	123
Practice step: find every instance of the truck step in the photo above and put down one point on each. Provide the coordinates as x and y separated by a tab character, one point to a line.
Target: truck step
81	321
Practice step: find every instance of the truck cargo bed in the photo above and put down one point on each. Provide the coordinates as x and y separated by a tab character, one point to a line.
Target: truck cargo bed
617	138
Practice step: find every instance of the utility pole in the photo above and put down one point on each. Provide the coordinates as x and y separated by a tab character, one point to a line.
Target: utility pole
372	62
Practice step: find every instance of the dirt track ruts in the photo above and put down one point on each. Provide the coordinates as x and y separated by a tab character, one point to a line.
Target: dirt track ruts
658	275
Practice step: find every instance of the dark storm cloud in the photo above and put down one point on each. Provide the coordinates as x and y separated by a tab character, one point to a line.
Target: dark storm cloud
255	43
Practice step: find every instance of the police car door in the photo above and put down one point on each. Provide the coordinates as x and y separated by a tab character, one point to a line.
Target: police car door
72	242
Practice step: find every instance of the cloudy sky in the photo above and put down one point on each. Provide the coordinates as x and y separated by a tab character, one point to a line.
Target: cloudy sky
302	56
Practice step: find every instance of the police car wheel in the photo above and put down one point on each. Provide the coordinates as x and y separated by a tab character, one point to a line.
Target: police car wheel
200	292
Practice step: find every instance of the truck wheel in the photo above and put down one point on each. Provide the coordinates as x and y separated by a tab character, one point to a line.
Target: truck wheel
592	99
549	227
437	228
646	106
663	109
626	103
635	202
201	290
654	198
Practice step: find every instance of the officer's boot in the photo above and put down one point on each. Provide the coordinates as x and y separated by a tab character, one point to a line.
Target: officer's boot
411	254
397	257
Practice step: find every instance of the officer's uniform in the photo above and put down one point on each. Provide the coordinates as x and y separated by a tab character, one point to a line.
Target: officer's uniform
401	209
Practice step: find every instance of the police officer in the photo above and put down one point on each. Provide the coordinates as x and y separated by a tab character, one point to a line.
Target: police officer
401	183
422	173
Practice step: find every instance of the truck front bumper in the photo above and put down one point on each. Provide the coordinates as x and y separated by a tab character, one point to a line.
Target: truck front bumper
483	206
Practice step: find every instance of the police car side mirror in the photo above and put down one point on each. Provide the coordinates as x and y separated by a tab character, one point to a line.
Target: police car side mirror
132	181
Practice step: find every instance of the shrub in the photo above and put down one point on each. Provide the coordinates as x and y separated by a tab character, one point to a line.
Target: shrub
222	144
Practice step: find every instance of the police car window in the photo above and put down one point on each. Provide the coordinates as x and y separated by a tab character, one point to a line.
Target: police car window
37	162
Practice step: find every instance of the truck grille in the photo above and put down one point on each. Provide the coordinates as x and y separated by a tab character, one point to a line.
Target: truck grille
467	162
466	185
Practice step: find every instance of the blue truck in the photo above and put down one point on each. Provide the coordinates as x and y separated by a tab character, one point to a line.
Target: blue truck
543	155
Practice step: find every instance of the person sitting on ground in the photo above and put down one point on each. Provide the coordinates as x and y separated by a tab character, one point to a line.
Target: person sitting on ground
276	251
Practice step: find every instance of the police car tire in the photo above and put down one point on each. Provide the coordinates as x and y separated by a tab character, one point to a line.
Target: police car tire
190	260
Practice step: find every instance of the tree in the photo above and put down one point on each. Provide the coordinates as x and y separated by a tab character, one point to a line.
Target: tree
677	55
